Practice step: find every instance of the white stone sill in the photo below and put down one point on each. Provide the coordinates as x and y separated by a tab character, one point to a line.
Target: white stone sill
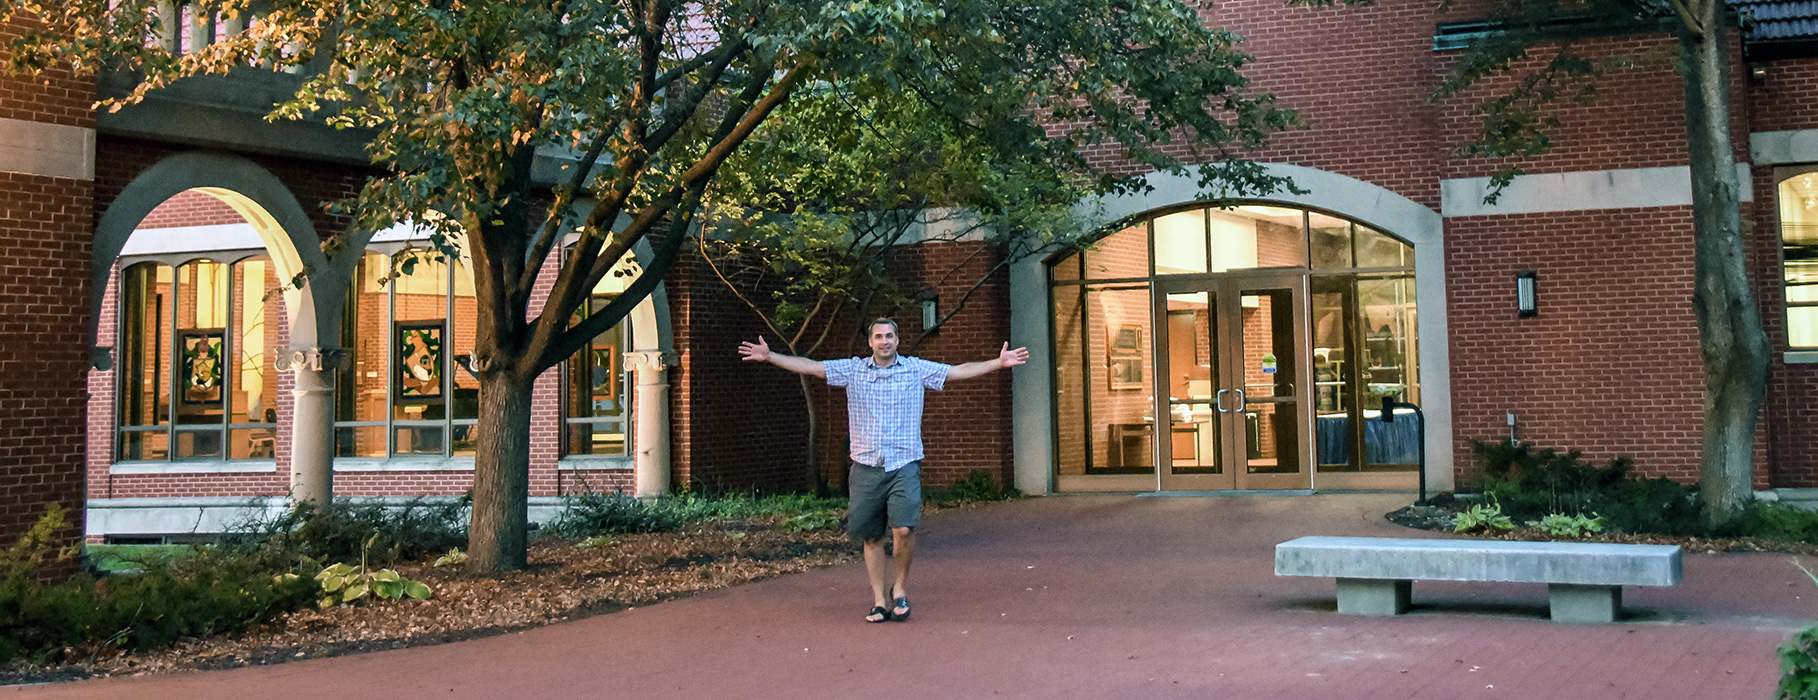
594	463
261	466
405	464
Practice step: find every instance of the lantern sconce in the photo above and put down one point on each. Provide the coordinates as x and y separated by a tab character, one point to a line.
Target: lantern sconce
1527	305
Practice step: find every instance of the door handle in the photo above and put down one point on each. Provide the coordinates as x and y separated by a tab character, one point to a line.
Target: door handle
1241	400
1219	400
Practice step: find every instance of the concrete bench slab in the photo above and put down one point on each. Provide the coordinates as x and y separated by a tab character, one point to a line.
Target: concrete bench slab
1584	579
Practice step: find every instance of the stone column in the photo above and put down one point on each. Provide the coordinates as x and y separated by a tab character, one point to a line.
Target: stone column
651	441
312	422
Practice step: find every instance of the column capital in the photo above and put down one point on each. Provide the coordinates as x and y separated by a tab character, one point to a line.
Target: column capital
650	360
311	359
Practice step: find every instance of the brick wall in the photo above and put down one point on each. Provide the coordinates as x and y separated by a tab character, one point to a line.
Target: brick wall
1785	98
57	96
191	208
44	225
1610	365
44	235
733	425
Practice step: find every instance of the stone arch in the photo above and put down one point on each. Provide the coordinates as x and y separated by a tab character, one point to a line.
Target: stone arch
258	197
1365	202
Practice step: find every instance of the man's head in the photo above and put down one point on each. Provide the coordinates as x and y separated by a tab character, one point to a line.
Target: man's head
882	337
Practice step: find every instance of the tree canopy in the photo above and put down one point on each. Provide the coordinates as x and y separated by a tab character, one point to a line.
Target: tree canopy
645	101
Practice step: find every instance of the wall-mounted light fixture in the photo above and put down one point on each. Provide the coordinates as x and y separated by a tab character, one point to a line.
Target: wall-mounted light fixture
1526	304
931	312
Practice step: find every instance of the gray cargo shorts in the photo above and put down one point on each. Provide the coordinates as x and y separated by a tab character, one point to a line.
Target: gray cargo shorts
881	500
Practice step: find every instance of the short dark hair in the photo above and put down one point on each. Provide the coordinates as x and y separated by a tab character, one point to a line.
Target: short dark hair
875	321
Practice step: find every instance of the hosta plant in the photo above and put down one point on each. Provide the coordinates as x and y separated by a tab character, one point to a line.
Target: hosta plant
343	583
1482	518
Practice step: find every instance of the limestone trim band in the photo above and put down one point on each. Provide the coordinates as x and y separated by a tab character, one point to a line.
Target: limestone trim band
47	150
1578	191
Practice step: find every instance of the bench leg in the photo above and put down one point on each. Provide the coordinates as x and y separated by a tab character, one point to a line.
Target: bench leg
1572	602
1373	596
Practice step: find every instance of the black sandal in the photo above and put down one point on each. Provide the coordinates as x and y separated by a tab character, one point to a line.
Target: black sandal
902	604
879	613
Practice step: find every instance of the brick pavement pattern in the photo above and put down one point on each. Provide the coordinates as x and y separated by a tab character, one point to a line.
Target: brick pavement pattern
1094	597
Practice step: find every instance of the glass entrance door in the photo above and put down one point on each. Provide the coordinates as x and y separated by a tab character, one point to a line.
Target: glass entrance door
1233	395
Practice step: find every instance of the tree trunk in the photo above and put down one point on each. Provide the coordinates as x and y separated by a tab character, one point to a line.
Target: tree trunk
1734	347
817	480
497	536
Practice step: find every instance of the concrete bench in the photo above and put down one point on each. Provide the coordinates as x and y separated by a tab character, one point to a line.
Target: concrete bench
1584	579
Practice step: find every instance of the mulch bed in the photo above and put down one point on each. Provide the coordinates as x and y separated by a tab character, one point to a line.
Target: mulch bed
563	582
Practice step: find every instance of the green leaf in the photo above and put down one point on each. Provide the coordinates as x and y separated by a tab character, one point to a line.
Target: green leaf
417	590
354	593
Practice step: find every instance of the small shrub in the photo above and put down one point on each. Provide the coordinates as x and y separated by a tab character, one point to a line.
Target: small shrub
588	513
1799	666
339	532
1531	484
977	486
1482	518
453	557
1778	521
209	592
1562	525
1799	659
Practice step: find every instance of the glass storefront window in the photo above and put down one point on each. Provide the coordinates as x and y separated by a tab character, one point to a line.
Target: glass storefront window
1118	380
1362	343
1798	197
1329	240
410	315
196	380
1180	243
1254	236
1121	255
595	390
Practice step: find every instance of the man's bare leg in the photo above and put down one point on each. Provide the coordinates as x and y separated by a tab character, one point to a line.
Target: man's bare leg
904	542
877	570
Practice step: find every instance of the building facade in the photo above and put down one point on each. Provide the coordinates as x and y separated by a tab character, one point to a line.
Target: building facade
181	380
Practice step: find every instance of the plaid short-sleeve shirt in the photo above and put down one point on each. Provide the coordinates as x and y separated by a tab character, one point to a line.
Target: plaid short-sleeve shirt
884	406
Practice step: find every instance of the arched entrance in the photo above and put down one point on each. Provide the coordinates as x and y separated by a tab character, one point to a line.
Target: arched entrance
1246	347
1310	279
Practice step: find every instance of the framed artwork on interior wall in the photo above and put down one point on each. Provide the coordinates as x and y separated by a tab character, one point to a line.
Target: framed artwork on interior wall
1124	359
202	370
419	372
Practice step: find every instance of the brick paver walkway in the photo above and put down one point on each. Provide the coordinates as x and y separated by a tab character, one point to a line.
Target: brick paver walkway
1093	597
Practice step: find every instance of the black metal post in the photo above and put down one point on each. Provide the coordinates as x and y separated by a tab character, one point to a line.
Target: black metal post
1389	404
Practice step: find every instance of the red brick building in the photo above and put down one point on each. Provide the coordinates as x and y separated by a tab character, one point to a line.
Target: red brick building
168	388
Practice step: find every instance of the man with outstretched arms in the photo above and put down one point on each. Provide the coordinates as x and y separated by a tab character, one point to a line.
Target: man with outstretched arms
884	415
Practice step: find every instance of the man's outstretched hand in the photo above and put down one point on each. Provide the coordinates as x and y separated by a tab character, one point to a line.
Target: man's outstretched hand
760	351
1011	358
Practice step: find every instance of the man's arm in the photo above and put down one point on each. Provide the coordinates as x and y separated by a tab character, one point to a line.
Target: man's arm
1005	358
760	352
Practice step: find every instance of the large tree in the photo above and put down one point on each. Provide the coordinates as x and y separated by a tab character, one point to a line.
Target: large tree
650	98
1537	39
